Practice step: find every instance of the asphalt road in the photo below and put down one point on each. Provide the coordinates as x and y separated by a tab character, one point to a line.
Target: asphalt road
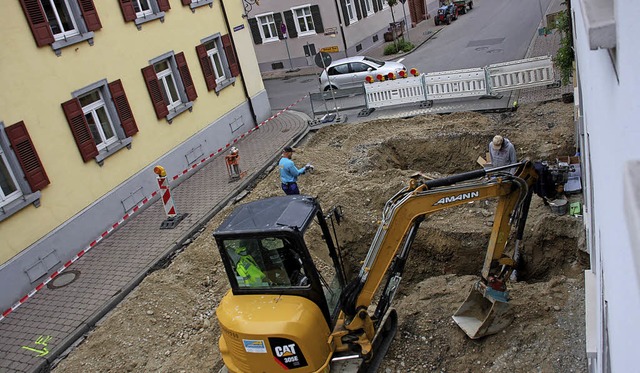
494	31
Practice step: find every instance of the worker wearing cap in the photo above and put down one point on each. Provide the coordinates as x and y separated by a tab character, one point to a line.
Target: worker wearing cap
289	172
502	152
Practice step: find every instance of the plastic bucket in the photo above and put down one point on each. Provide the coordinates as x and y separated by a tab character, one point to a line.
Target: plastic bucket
559	206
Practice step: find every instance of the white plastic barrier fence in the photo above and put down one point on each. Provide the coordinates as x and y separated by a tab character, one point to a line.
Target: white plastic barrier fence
527	73
395	92
466	83
455	84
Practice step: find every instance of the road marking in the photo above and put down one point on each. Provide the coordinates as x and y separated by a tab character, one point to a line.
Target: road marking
400	60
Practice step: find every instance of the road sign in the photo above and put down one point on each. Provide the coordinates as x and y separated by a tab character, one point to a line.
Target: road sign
323	59
331	49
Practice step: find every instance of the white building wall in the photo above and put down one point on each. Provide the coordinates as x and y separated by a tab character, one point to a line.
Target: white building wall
611	116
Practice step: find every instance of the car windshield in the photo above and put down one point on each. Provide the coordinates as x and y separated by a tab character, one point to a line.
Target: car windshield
374	61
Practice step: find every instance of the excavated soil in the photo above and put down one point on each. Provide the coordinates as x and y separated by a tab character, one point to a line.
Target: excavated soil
168	323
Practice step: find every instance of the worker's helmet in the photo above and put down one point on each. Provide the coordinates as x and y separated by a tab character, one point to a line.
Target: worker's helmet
234	150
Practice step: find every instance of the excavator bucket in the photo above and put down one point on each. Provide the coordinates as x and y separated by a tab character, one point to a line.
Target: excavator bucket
481	314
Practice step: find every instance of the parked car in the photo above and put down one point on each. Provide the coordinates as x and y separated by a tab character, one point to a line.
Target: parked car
351	72
446	14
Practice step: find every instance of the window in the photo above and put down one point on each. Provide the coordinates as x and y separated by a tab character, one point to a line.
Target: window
304	21
268	29
100	120
193	4
141	11
170	86
339	69
351	12
218	62
22	175
368	7
60	23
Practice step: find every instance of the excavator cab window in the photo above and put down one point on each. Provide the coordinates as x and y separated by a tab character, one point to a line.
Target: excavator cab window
266	262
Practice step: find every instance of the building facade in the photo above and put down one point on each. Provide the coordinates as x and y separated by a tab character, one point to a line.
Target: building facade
288	34
607	82
95	95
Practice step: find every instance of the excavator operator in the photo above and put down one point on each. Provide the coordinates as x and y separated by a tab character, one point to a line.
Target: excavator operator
247	268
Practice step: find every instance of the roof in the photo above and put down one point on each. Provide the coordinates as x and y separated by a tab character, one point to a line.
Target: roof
270	215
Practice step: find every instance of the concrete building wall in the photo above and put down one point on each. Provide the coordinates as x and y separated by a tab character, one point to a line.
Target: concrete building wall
608	82
84	199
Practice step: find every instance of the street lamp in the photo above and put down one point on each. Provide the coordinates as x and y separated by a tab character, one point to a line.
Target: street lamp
248	6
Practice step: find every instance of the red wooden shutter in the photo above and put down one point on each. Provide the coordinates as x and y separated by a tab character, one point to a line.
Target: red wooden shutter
164	5
159	105
186	2
38	22
27	156
80	129
189	88
90	15
231	55
123	108
207	67
128	11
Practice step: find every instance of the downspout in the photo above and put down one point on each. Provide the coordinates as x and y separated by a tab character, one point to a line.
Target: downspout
344	41
233	45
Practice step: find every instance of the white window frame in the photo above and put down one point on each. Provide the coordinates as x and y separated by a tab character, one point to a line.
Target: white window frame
64	34
369	7
5	199
214	53
270	21
142	13
306	18
351	11
165	82
91	109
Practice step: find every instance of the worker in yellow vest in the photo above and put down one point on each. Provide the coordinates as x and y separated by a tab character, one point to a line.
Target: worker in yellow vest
248	268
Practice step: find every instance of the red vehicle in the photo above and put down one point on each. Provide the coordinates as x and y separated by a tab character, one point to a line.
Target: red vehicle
446	14
462	5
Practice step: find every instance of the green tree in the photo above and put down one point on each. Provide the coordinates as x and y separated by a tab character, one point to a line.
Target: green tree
565	54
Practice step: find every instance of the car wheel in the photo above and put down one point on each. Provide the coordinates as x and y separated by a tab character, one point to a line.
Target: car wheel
436	21
329	87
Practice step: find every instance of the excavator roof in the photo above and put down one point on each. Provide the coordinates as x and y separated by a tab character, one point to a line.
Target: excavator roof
276	214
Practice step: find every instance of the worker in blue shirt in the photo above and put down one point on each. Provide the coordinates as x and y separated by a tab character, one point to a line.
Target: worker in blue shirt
289	172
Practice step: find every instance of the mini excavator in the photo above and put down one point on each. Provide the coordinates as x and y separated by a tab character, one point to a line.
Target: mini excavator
288	309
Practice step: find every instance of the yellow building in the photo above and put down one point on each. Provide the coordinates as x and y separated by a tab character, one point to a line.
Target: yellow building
94	94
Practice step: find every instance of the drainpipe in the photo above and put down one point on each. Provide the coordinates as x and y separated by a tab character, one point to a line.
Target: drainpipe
344	41
233	45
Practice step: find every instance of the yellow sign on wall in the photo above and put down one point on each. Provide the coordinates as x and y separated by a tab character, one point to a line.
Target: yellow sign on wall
332	49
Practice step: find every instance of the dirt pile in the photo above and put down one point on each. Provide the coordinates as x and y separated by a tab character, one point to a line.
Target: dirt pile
168	323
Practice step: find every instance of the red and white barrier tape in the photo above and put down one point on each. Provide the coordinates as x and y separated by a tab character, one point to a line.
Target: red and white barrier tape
133	211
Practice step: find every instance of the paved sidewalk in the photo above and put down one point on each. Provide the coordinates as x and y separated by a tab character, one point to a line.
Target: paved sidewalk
38	331
43	327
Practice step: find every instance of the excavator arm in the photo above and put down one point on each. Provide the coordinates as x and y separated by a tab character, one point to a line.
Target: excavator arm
402	215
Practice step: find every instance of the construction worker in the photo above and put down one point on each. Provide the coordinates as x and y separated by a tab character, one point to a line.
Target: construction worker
247	268
502	152
289	172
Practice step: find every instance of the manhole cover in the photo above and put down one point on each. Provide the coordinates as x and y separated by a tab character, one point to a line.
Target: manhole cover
63	279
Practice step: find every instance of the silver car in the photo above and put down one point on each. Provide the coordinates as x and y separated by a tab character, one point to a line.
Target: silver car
351	72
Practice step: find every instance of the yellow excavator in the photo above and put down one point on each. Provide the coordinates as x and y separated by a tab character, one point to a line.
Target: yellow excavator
290	308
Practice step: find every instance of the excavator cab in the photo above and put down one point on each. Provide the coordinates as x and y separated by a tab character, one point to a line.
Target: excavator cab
284	301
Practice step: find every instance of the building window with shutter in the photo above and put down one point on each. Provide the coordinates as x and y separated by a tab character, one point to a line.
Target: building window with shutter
268	28
351	11
218	61
193	4
60	23
303	20
142	11
100	119
170	86
22	174
97	118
